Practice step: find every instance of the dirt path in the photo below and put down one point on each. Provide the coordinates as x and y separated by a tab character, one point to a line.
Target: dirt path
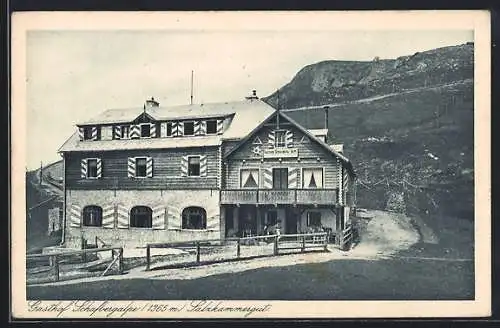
383	235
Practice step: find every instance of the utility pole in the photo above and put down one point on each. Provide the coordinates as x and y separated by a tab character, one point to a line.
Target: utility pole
192	77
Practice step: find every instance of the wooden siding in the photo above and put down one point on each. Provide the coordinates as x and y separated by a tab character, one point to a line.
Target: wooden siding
308	151
166	170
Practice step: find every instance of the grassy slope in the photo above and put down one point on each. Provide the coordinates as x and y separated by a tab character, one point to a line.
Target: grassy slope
436	119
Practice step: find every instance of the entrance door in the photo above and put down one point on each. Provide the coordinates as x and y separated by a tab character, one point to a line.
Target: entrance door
291	218
280	178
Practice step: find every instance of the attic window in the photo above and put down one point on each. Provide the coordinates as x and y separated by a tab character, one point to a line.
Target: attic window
169	129
212	127
145	130
280	138
188	128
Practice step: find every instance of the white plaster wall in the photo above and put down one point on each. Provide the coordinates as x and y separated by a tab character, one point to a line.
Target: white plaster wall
134	237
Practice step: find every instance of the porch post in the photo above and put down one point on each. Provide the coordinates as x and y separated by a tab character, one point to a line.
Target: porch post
339	226
236	214
222	219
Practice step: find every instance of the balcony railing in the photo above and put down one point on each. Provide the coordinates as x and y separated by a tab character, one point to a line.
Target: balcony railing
275	196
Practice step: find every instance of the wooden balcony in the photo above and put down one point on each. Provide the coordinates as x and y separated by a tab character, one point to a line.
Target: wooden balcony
273	196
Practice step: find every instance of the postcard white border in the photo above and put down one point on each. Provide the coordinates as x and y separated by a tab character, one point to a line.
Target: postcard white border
479	21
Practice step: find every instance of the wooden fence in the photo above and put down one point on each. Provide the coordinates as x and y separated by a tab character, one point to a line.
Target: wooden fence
230	249
49	267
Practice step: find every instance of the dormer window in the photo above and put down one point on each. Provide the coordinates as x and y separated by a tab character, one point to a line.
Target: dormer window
188	128
90	133
87	133
145	130
211	126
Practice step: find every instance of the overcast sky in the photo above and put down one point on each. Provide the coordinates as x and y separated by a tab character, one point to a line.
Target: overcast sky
74	75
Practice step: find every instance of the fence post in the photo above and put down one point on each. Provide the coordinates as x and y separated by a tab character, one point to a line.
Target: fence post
120	261
148	256
326	241
197	252
96	242
238	248
276	245
56	267
303	244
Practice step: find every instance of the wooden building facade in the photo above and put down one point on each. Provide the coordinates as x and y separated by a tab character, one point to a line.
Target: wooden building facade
207	171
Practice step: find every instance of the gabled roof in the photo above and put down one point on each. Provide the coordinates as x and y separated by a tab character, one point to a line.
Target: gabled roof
74	143
242	117
303	130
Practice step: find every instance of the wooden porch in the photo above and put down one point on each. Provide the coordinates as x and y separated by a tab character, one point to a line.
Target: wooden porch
273	196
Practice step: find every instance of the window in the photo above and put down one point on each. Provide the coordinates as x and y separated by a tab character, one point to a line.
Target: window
212	127
194	218
280	138
249	178
141	217
314	219
92	216
125	131
169	129
312	178
194	166
145	131
87	133
280	178
188	128
92	168
140	167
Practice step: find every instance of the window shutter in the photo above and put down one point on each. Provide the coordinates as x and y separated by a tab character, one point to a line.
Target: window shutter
213	220
149	167
271	139
289	138
80	133
267	178
203	128
175	129
203	166
99	168
94	133
117	132
292	178
159	217
174	218
83	168
122	214
131	167
184	166
220	126
75	216
152	130
135	131
197	128
180	130
108	216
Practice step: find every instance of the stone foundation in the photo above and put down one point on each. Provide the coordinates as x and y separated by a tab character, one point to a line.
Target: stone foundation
139	237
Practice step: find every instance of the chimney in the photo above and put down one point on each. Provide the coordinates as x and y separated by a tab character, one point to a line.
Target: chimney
152	103
253	96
